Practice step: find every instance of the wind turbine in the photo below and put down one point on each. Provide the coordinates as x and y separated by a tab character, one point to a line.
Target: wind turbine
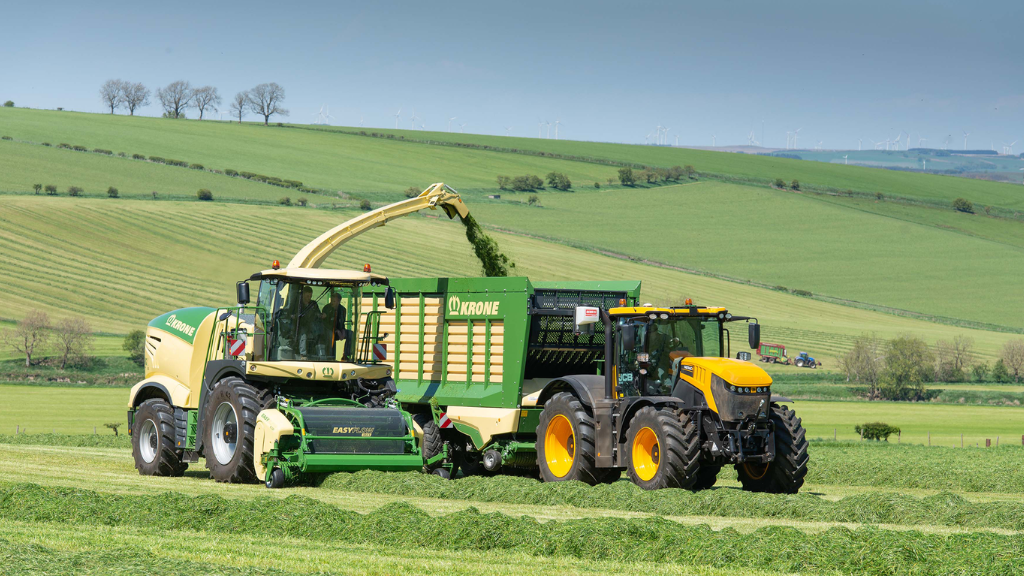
713	141
1008	148
859	140
945	144
846	159
540	127
924	163
788	136
647	139
665	139
328	117
461	127
548	136
818	147
557	122
677	140
920	140
1022	181
414	118
796	135
450	123
508	130
361	118
397	116
966	134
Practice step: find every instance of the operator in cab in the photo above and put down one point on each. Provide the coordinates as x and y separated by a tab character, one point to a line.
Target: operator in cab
335	315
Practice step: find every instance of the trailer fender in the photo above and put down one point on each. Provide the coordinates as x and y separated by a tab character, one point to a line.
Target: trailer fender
159	386
586	387
271	425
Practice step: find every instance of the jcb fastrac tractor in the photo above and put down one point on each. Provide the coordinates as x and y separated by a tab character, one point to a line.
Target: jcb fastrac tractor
291	385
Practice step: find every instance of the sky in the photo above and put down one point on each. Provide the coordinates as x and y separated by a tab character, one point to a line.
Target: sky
608	71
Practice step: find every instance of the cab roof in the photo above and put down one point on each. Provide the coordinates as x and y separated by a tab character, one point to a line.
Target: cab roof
321	275
671	310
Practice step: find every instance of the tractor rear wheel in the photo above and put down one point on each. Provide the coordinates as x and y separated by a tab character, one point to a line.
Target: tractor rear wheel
785	473
229	428
153	440
707	475
662	452
565	442
799	363
432	444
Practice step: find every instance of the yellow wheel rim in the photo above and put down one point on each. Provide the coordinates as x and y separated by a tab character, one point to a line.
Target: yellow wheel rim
559	446
646	454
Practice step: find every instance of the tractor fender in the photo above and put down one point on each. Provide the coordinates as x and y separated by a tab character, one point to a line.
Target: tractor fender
271	425
587	387
159	386
777	398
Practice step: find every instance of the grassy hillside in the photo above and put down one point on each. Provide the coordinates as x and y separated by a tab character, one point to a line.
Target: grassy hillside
786	239
122	267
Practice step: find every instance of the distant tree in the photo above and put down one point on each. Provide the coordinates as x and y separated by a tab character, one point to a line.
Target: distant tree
795	185
907	362
9	104
134	95
999	372
113	426
979	372
954	357
559	181
1013	357
285	201
365	205
780	183
301	201
175	98
239	105
265	100
626	177
649	176
504	182
51	190
202	194
863	363
135	345
29	336
876	431
675	173
691	172
205	97
597	184
112	192
112	94
72	340
37	187
412	192
74	191
611	180
533	200
963	205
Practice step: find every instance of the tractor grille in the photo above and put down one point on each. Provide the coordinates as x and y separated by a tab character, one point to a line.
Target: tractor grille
354	430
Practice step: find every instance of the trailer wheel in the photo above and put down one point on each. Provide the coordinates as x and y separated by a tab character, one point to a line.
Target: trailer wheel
662	452
153	440
230	424
565	442
707	475
432	444
785	473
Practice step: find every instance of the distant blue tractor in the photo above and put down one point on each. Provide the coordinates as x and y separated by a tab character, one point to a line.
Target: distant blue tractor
805	361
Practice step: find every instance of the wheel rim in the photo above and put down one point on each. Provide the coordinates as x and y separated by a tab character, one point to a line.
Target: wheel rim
559	446
646	454
148	441
225	432
755	472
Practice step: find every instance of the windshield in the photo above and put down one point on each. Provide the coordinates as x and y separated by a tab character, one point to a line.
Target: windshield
310	321
664	340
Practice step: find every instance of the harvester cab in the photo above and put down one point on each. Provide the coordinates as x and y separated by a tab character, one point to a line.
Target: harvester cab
279	388
676	408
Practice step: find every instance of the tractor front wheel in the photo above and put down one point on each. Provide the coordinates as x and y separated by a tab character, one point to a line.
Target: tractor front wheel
153	440
565	442
785	473
229	428
662	451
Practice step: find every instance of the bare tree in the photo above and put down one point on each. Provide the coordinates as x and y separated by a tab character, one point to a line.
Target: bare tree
72	339
1013	357
265	100
239	105
175	98
863	363
135	96
954	357
29	336
112	93
205	97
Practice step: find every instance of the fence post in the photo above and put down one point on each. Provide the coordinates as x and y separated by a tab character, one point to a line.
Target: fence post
930	438
997	441
988	442
961	439
899	436
834	436
18	431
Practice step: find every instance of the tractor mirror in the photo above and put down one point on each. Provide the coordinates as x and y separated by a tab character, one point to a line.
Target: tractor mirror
754	334
389	299
242	291
628	337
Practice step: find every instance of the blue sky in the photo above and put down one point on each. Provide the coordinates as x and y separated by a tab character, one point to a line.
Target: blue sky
608	71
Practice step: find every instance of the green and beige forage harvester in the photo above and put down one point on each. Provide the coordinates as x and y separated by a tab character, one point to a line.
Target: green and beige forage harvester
336	370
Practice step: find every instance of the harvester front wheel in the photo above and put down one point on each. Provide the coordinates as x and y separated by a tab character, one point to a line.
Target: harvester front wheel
153	440
230	425
565	442
662	452
432	443
785	473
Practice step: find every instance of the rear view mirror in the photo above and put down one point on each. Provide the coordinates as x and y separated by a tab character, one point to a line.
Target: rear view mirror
628	337
754	334
242	291
389	299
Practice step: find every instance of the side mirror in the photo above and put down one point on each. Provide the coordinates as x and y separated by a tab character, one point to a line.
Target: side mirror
754	334
242	292
628	336
389	299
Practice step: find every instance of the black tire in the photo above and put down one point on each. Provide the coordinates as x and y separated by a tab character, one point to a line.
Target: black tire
678	457
443	473
246	401
799	363
154	423
785	473
432	443
276	479
707	475
582	451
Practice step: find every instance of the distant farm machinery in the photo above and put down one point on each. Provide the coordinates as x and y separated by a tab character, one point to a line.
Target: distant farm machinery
776	354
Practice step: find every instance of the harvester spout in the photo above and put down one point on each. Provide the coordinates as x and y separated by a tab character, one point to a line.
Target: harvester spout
437	195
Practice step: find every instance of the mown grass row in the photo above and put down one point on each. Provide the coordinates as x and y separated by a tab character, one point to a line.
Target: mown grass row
860	551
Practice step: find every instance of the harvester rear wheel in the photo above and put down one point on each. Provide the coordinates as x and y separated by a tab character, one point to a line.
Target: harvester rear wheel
785	473
662	452
432	444
565	442
230	424
153	440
